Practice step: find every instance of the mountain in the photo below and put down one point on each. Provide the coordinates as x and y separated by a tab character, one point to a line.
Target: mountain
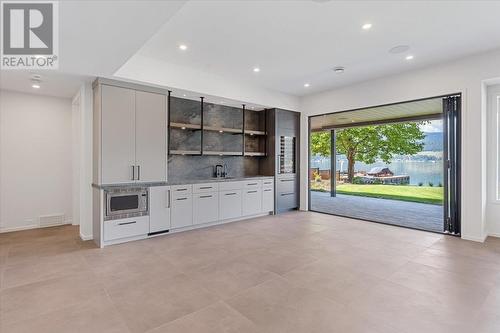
433	141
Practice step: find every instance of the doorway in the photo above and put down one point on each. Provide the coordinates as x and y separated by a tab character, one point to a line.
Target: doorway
396	164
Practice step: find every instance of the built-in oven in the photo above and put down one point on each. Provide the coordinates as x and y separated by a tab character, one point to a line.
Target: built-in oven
125	203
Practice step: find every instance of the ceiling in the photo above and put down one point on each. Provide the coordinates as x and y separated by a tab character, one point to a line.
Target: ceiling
422	108
298	42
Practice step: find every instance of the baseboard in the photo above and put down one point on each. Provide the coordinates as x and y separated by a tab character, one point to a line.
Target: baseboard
86	238
475	239
494	234
29	227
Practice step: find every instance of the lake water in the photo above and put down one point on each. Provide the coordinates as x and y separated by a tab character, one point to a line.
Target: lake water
419	169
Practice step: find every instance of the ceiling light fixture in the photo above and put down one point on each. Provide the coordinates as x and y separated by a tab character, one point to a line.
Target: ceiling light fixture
307	85
339	69
256	69
409	57
399	49
367	26
35	81
221	131
183	47
35	85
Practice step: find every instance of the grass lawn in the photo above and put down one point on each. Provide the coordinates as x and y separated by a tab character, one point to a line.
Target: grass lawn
424	194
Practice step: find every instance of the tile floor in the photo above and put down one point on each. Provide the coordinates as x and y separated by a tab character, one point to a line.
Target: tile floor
297	272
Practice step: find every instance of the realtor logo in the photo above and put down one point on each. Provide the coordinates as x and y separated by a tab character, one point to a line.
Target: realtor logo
29	35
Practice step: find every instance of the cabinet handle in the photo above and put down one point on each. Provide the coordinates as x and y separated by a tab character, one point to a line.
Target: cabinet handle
251	191
269	190
181	189
138	172
287	180
205	187
178	199
252	184
168	199
125	223
283	194
230	194
133	172
205	196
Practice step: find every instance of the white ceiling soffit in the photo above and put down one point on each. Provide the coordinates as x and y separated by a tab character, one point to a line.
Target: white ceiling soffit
298	42
97	37
428	107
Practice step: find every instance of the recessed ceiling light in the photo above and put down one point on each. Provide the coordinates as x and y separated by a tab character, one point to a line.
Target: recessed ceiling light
256	69
35	81
399	49
183	95
221	131
339	69
183	127
35	85
307	85
183	47
367	26
409	57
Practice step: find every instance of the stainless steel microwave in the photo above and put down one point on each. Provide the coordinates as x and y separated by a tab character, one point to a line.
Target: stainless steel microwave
126	202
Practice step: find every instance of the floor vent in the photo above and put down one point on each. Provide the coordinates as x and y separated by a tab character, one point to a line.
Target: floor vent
51	220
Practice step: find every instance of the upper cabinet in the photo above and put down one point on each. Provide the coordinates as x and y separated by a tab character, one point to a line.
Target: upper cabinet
130	134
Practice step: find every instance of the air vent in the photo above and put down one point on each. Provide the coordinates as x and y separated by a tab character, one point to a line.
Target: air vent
51	220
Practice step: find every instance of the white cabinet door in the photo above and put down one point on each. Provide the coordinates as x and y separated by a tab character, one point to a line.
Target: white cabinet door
159	208
229	204
205	207
118	134
125	228
267	199
252	201
182	211
151	136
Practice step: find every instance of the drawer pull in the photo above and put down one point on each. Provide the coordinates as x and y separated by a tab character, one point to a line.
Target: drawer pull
205	196
125	223
206	187
268	183
230	194
181	189
287	180
252	192
249	184
178	199
283	194
269	190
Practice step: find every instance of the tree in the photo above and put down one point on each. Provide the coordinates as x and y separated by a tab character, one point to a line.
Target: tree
320	143
367	143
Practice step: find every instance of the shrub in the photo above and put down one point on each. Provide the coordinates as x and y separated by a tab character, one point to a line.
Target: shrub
440	184
431	184
316	176
420	184
377	182
357	180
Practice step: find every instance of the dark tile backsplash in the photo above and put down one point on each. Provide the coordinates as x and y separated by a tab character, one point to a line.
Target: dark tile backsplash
185	167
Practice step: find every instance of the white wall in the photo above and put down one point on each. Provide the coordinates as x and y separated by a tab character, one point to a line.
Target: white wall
35	159
468	76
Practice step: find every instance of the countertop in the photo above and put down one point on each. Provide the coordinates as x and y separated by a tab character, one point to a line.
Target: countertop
181	181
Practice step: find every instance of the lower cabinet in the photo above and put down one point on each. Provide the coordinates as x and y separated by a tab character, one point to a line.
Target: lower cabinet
205	207
125	228
230	204
160	202
267	199
252	201
182	211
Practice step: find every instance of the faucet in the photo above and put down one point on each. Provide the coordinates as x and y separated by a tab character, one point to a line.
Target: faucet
220	170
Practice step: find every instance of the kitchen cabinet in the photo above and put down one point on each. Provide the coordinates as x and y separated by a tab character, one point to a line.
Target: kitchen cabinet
252	201
230	204
160	202
205	207
126	228
130	133
182	211
267	199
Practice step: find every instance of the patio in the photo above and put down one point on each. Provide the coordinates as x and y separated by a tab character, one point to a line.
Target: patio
402	213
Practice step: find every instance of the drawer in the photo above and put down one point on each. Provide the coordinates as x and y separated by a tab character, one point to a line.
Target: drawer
287	200
252	201
124	228
206	187
181	190
286	185
268	182
228	186
205	207
182	211
252	183
230	204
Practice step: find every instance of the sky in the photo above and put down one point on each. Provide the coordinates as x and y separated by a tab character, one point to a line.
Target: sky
434	126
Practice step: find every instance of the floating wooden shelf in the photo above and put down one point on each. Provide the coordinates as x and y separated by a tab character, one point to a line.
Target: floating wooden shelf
186	126
223	153
223	129
252	153
250	132
185	152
